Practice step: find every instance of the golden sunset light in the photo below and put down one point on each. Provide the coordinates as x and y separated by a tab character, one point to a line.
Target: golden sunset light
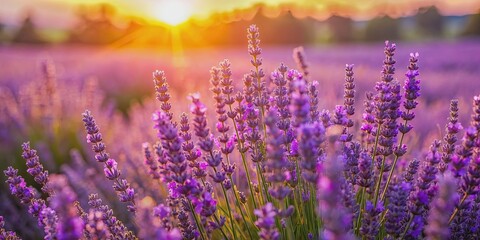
172	12
239	119
176	12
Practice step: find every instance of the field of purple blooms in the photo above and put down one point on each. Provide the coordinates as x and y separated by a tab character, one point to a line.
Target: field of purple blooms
337	142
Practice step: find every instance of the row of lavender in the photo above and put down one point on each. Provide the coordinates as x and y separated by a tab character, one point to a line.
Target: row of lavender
277	167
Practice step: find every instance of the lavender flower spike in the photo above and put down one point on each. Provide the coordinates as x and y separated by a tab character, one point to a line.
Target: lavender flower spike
94	137
450	138
334	215
299	56
266	222
4	234
442	207
70	225
35	168
161	91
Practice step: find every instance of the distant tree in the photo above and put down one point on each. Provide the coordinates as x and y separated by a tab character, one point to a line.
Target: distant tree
95	26
3	35
284	29
28	32
341	28
382	28
472	27
429	22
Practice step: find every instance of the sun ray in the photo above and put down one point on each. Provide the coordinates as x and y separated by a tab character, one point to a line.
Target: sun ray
173	12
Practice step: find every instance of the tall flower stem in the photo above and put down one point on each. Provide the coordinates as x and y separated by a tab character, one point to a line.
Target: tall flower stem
395	160
465	196
373	162
244	161
197	222
228	204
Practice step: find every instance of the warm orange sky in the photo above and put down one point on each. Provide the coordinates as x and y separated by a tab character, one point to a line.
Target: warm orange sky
60	13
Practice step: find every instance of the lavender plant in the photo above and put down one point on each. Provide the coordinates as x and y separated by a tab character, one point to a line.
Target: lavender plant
273	167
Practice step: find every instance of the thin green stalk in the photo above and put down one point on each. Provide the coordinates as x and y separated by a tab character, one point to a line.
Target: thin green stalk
197	222
259	180
407	226
229	213
240	208
394	163
379	182
237	200
228	205
244	161
377	136
362	207
456	208
221	230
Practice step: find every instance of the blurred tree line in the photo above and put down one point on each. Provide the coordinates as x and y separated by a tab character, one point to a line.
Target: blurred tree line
95	26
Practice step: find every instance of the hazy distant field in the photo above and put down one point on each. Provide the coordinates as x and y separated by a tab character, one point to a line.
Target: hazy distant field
448	69
47	110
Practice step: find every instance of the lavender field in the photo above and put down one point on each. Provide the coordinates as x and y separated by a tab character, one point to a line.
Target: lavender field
344	141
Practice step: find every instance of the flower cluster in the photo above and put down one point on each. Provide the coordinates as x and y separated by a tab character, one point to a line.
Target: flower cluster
271	165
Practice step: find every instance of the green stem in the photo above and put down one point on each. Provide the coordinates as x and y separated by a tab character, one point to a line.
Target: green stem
221	230
456	208
407	226
197	222
228	205
394	163
379	182
244	161
362	207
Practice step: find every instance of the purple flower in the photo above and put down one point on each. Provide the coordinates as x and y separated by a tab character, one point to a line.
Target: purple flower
95	228
411	170
115	226
441	209
282	102
397	208
311	137
161	91
299	57
266	222
464	153
198	109
422	195
226	83
300	103
172	144
18	187
151	163
371	220
259	89
70	225
313	94
365	171
49	219
206	206
35	168
162	211
335	216
368	125
340	116
4	234
349	91
94	137
277	160
352	155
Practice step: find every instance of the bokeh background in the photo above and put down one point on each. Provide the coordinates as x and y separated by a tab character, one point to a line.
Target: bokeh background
59	57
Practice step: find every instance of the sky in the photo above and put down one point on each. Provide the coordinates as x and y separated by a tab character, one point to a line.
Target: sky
61	13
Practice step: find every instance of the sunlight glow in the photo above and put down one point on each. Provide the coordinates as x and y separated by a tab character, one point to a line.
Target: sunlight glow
173	12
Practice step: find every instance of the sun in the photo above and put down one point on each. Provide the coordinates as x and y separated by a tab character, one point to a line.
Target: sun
173	12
